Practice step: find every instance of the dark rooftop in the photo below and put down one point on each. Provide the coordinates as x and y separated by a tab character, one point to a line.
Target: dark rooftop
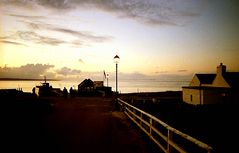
232	79
206	78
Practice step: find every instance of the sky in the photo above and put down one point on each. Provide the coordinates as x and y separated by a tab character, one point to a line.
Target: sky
76	38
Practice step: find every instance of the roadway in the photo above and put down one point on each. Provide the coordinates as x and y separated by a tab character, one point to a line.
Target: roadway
73	125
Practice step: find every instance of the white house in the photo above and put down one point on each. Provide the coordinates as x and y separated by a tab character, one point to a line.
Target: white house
222	87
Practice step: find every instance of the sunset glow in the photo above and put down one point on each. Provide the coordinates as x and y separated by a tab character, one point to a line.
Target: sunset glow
151	37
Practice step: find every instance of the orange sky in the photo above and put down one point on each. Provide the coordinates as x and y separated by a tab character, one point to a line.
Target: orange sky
152	38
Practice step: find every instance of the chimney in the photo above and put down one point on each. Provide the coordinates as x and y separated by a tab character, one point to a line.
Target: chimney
221	69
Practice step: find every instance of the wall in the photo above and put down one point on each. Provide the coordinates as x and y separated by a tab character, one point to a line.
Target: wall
214	97
219	81
195	93
195	81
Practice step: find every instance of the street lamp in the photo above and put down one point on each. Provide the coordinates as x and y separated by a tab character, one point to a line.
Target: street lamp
116	60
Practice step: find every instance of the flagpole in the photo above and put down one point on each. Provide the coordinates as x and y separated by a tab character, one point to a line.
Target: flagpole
107	81
104	76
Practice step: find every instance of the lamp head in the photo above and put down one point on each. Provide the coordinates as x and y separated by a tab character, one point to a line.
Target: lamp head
116	59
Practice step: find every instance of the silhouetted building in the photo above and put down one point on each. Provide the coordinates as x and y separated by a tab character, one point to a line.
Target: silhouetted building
93	88
98	84
86	86
222	87
9	93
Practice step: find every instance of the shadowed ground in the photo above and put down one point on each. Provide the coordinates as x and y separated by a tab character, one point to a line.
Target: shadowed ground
70	125
215	125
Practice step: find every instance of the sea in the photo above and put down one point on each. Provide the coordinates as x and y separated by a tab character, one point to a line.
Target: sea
124	86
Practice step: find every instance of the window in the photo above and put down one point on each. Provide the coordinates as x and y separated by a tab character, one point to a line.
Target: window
191	97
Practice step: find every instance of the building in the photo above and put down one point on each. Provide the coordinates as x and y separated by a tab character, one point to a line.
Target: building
222	87
93	88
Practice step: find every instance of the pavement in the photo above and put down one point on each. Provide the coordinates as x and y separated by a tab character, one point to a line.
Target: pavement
72	125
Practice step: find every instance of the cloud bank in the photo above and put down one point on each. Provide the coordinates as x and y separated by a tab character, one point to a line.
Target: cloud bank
67	71
34	35
37	71
11	42
150	12
169	12
28	71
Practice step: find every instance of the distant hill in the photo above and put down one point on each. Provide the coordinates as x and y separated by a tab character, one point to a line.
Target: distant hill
22	79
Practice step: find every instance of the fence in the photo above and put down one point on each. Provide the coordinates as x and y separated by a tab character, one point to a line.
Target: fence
170	140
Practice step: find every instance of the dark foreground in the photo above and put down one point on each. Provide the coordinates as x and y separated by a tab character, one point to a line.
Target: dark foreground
87	125
215	125
72	125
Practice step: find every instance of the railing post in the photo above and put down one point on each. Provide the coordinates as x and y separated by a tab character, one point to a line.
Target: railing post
143	119
122	107
141	116
170	137
150	127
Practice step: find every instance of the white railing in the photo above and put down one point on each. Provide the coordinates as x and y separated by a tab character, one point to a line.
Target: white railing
165	136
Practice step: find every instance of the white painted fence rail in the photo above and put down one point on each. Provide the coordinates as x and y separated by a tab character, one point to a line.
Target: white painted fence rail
166	137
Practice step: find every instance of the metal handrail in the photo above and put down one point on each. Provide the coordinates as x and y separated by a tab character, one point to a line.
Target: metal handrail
130	111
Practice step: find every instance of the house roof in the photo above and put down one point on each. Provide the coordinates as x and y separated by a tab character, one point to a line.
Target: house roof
86	83
206	78
232	79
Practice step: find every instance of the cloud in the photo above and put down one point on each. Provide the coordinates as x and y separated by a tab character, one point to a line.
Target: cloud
37	38
182	70
37	71
27	16
82	34
156	12
28	71
30	36
35	27
77	43
81	61
11	42
162	72
68	71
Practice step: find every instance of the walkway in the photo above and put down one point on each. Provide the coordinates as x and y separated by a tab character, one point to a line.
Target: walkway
86	125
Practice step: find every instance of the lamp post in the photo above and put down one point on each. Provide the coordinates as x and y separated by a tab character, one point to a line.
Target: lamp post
116	60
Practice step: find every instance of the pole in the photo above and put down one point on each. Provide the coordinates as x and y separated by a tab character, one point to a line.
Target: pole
116	88
107	82
116	79
116	59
